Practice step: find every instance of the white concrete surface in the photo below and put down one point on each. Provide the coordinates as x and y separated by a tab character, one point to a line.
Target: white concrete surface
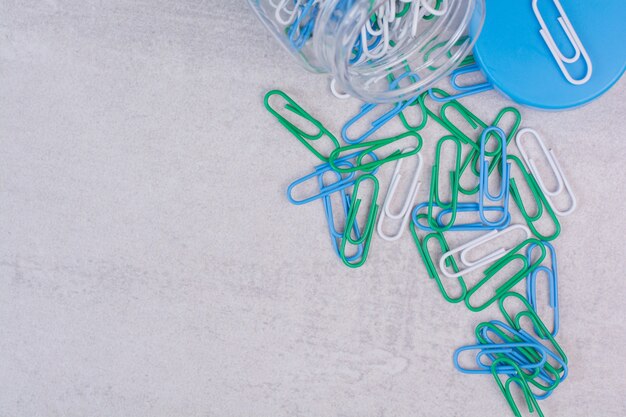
151	266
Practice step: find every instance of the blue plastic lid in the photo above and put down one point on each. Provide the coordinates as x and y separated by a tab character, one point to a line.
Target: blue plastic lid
516	59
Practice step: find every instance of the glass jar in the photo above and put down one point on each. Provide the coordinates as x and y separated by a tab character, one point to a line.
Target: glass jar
376	50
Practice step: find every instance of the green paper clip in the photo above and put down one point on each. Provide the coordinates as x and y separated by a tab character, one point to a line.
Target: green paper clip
367	230
371	147
304	137
434	198
519	379
422	248
540	201
499	265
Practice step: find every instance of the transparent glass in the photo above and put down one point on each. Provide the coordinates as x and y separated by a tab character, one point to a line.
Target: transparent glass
376	50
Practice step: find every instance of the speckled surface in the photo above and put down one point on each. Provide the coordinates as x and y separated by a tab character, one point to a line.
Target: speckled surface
150	264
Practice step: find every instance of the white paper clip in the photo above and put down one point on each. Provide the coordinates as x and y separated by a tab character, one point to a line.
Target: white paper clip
573	38
382	47
405	212
283	15
556	170
431	9
485	260
336	93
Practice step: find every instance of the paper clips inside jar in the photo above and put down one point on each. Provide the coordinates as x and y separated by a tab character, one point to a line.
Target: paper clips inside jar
366	45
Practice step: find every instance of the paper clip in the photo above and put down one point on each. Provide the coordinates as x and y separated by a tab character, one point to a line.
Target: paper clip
483	329
335	236
375	125
357	52
478	226
523	355
345	204
370	148
405	213
320	171
434	198
422	248
483	189
380	34
507	259
281	8
417	13
574	40
507	349
304	137
472	158
381	120
560	373
333	89
552	277
366	236
440	8
303	31
470	117
540	201
419	105
416	215
518	379
457	227
417	102
485	260
538	327
464	90
554	166
468	60
508	334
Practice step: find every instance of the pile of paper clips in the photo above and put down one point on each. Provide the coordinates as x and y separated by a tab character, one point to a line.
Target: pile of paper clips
528	357
394	23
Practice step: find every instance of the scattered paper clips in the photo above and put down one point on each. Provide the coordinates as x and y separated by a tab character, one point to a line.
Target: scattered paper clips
472	180
530	359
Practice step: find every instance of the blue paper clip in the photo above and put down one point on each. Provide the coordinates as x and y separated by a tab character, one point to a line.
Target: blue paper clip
357	51
501	349
380	122
461	208
415	217
523	359
552	276
474	227
305	32
483	189
345	203
320	170
335	236
465	90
